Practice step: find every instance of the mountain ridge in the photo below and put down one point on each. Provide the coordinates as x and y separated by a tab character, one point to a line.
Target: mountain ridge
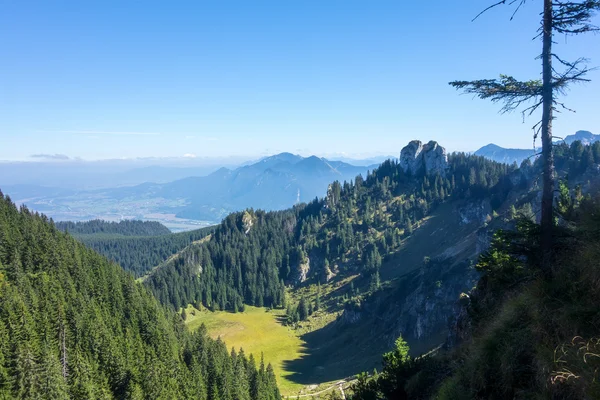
498	153
272	183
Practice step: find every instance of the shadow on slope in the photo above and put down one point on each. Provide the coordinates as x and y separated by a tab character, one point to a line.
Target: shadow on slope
354	342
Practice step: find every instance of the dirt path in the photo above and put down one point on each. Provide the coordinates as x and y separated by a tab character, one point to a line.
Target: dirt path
339	385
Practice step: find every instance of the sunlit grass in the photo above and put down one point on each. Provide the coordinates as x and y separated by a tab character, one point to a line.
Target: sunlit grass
257	331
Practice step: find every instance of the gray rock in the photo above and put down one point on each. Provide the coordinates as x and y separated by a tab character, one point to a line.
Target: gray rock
431	158
475	212
302	271
410	156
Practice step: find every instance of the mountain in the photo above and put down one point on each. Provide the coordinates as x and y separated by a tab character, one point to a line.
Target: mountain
376	160
75	326
519	333
76	174
508	156
503	155
585	137
384	256
272	183
365	244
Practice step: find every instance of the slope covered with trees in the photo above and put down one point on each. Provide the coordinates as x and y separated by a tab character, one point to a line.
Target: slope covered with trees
254	254
75	326
121	228
518	334
354	278
139	254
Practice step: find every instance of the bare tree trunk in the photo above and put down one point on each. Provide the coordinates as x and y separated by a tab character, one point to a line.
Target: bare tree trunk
63	359
547	156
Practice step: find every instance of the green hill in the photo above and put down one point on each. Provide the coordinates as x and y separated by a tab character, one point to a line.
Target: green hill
121	228
518	334
75	326
140	254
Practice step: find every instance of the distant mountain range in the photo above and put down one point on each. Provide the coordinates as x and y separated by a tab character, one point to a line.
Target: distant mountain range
500	154
508	156
272	183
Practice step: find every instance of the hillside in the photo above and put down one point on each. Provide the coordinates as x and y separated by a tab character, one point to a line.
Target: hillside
121	228
518	333
75	326
346	232
364	244
140	254
390	253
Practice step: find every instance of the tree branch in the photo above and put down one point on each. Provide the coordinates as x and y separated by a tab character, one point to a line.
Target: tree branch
507	89
572	18
499	3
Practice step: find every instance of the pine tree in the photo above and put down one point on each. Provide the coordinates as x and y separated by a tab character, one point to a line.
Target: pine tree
562	17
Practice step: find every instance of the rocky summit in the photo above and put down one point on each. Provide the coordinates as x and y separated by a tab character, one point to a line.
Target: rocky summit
431	157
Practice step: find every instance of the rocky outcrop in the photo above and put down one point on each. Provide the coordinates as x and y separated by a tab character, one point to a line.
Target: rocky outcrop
329	274
411	159
418	309
302	271
430	158
247	222
429	306
475	212
351	316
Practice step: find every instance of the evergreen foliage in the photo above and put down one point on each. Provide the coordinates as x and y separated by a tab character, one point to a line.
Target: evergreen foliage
124	228
253	254
75	326
139	255
522	335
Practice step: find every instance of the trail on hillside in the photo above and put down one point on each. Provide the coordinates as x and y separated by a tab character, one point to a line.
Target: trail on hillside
339	385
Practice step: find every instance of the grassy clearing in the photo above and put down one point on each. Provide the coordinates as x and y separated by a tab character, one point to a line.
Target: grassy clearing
257	331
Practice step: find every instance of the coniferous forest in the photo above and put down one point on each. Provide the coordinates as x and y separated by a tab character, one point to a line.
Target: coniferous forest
252	255
139	254
435	273
75	326
124	228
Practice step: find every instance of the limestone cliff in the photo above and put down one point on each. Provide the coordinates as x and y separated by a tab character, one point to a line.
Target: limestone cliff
430	158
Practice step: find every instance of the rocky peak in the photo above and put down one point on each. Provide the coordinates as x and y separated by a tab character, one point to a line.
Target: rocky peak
431	157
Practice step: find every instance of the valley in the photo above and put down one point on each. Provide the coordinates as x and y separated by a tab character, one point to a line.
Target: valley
321	290
257	331
299	200
275	182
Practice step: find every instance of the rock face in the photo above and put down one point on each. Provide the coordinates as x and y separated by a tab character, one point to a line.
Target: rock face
476	211
302	271
247	222
431	158
411	158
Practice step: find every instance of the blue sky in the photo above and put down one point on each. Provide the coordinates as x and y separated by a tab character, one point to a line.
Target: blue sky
111	79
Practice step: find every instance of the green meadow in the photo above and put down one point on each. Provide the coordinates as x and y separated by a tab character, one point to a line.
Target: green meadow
256	330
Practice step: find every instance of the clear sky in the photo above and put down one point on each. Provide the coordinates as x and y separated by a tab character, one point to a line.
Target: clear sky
110	79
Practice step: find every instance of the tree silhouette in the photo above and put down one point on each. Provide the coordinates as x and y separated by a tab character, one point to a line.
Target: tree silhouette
562	17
